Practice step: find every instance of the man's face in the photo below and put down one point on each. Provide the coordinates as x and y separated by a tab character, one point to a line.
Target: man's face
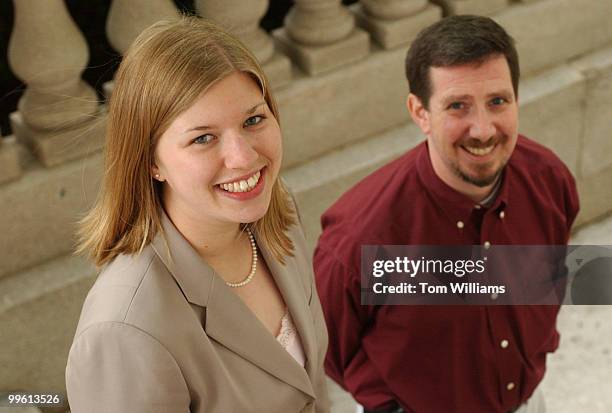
471	124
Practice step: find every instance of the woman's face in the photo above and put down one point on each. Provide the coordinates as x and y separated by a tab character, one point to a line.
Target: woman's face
219	159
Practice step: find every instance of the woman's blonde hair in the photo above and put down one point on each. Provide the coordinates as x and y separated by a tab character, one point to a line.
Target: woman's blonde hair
163	72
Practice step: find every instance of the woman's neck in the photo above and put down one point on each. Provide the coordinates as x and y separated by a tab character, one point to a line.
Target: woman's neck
210	238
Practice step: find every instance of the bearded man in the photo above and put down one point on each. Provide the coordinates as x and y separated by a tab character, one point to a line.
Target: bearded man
474	180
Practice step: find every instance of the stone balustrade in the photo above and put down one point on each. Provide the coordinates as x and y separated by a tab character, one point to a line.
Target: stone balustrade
59	118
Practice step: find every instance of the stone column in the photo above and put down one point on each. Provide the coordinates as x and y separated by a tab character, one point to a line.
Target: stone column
127	18
243	22
481	7
56	114
395	22
320	35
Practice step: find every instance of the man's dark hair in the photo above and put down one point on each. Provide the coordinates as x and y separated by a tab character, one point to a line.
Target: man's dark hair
457	40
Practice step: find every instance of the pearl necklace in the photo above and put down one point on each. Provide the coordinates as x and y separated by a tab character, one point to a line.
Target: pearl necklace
253	263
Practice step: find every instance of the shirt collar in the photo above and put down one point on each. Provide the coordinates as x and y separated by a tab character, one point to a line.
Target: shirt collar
453	203
490	199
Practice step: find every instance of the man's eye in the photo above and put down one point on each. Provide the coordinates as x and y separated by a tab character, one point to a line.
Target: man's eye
456	106
498	101
253	120
204	139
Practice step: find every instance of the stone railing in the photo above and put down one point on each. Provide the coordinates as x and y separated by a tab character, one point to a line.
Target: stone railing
59	118
337	73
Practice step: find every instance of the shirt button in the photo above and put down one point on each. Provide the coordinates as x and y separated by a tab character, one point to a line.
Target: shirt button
477	206
487	245
460	224
510	386
504	343
494	296
502	214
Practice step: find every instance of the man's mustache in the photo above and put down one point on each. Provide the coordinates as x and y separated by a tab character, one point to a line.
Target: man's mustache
477	143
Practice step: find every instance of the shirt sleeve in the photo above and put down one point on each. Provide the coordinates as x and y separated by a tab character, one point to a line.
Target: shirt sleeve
339	292
115	367
572	203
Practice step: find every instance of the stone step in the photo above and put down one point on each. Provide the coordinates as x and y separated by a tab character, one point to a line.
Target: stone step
28	409
39	310
317	184
39	211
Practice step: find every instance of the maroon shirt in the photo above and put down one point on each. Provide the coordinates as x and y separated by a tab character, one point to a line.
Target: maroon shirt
441	358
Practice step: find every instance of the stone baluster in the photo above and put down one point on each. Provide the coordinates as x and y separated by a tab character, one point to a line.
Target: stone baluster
320	35
480	7
127	18
395	22
243	22
57	113
10	167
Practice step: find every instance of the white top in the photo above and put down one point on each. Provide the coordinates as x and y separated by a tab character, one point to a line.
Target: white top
289	339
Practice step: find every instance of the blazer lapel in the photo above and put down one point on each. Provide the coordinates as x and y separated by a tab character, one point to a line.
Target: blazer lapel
228	320
288	279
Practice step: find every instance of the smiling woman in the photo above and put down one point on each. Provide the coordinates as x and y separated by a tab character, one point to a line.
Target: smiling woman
220	158
205	301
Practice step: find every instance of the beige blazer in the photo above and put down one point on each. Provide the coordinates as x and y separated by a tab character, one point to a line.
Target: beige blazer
167	335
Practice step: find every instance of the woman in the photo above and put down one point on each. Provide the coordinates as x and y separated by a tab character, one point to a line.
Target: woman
206	300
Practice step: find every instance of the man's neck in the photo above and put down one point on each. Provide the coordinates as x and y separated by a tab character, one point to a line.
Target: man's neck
476	193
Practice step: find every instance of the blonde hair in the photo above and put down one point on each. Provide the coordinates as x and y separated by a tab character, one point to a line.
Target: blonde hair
163	72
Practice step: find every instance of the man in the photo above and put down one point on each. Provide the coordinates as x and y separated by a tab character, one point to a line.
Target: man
473	181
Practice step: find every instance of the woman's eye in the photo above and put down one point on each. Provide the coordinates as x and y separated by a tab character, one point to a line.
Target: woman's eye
204	139
253	120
